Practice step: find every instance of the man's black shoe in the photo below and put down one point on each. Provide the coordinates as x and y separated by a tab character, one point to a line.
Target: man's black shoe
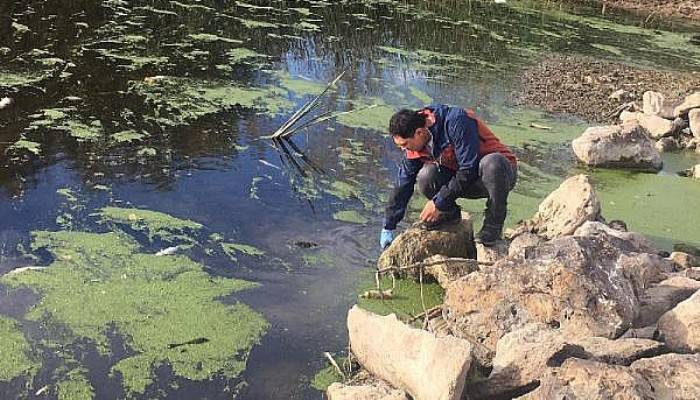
450	217
489	235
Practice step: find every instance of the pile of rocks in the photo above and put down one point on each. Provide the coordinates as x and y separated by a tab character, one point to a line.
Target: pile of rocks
570	307
637	141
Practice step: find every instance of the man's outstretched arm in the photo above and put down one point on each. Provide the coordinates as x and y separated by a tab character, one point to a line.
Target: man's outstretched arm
401	193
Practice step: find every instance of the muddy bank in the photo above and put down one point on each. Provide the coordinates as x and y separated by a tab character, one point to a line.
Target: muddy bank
654	9
582	86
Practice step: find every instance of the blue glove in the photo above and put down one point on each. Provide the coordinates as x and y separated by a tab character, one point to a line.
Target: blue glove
386	238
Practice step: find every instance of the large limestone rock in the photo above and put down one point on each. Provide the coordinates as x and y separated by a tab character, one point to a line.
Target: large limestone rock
565	209
652	102
624	146
673	376
373	391
416	244
570	282
680	327
591	380
639	241
660	298
694	120
690	102
414	360
522	357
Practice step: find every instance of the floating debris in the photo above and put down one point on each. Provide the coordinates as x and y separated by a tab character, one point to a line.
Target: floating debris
5	102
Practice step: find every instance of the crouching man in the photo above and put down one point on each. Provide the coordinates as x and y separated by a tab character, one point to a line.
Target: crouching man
450	153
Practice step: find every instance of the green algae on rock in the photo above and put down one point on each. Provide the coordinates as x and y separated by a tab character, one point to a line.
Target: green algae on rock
232	249
327	376
16	359
152	301
406	302
155	224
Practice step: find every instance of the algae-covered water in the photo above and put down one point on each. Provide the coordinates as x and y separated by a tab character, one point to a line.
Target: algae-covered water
152	245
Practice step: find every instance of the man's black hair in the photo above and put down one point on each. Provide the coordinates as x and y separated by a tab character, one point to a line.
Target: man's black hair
405	122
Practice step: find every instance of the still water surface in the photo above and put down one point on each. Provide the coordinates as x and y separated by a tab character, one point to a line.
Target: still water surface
161	105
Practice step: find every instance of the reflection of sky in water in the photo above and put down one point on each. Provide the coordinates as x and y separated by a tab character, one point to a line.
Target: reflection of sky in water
210	170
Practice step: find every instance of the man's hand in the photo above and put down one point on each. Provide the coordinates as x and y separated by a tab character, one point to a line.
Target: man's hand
430	213
386	238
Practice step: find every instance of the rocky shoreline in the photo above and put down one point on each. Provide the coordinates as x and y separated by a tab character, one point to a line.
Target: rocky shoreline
569	306
585	87
681	9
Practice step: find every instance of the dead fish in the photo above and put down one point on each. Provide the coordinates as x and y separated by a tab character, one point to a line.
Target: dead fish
198	340
538	126
378	294
269	164
23	269
168	251
5	102
42	390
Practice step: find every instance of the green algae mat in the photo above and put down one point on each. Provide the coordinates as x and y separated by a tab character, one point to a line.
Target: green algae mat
103	290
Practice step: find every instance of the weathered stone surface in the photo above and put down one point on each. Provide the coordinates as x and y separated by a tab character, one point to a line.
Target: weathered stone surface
692	273
416	244
626	116
373	391
522	357
591	380
666	144
414	360
647	332
446	269
658	299
652	102
624	146
571	282
565	209
673	376
656	127
491	254
684	260
620	351
640	242
643	270
680	327
521	243
690	102
694	121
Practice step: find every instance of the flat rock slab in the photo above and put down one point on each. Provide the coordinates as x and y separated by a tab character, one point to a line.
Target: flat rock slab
620	351
414	360
680	327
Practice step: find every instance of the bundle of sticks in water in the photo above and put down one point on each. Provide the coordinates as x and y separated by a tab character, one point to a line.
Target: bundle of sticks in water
293	124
